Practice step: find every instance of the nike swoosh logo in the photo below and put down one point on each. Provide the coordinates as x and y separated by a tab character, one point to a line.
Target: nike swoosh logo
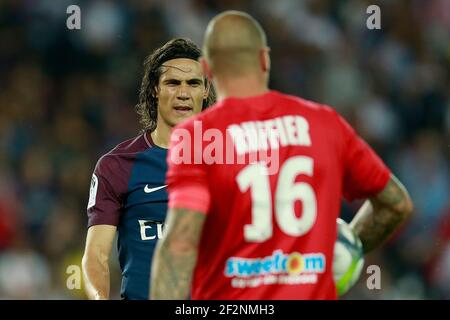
150	190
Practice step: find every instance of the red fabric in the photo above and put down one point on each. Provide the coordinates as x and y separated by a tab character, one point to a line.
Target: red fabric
193	196
340	161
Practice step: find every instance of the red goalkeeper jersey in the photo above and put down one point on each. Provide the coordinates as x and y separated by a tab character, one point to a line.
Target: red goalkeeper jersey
269	172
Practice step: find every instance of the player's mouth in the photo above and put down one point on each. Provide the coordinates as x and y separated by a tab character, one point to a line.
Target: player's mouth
182	110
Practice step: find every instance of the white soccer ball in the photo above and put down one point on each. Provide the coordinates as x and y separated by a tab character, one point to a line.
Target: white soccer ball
348	258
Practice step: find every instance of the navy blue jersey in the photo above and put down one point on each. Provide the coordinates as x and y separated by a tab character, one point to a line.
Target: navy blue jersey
128	191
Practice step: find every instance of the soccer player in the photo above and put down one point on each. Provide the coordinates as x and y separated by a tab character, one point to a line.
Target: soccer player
128	190
236	230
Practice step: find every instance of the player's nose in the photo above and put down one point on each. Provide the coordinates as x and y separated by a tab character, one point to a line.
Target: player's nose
183	97
183	93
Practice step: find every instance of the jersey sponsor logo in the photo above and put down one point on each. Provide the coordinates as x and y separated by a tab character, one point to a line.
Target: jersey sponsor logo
150	190
278	262
93	191
278	268
151	230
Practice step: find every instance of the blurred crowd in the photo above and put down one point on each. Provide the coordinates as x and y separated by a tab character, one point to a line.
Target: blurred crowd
68	96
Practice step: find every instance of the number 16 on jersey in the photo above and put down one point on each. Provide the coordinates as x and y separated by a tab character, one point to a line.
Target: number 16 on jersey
287	192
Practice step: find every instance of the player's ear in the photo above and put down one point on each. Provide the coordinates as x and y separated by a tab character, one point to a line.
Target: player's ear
205	67
207	88
156	91
264	58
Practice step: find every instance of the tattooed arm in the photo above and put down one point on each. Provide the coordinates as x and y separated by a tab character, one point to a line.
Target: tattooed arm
176	255
381	215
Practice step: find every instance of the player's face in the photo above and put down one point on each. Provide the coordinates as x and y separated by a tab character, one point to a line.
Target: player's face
181	91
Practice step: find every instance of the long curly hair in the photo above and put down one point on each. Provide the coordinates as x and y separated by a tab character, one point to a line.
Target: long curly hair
147	108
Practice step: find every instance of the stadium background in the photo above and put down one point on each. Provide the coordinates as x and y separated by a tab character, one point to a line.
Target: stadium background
67	97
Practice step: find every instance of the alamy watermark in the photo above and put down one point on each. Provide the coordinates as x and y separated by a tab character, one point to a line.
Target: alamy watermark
73	21
74	277
374	20
373	281
245	143
248	142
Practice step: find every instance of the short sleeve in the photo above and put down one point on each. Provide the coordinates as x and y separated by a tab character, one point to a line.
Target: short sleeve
365	173
104	205
186	179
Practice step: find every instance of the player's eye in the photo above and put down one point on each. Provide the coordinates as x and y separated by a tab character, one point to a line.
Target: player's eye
194	83
172	83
